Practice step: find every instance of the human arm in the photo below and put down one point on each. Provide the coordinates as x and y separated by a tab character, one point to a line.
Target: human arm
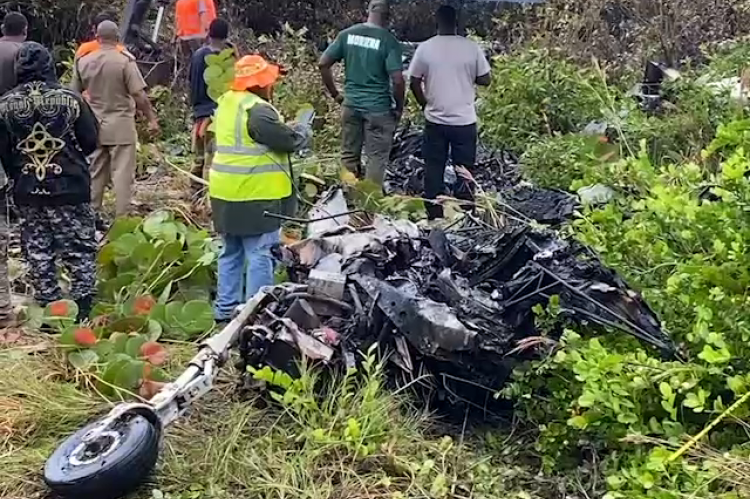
6	158
76	83
484	70
136	86
196	78
399	92
265	127
418	91
418	72
333	54
484	80
395	67
86	129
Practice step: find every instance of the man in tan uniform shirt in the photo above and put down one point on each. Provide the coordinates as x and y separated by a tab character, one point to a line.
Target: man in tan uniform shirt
115	88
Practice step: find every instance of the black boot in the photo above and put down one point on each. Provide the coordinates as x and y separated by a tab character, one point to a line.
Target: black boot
85	305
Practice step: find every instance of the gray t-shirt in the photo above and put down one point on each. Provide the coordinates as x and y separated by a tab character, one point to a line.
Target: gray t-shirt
8	51
449	67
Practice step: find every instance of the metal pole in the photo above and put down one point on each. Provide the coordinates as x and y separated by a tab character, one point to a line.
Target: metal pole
157	25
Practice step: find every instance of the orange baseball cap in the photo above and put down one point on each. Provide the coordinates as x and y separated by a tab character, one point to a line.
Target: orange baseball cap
253	71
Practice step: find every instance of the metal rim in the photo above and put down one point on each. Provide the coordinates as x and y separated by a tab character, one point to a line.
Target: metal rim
90	452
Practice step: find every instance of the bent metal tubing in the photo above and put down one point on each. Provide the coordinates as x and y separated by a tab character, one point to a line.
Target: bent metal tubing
197	380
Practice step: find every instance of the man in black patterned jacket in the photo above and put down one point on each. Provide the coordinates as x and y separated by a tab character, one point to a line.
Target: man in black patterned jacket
46	133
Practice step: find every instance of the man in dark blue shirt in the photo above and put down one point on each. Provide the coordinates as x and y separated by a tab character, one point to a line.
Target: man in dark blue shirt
203	105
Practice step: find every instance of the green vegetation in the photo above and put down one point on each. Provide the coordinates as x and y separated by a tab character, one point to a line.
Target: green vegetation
594	417
678	232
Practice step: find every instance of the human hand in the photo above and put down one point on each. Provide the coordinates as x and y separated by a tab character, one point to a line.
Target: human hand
339	99
398	114
153	127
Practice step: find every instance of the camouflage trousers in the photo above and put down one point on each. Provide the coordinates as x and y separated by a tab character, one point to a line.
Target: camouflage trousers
64	233
6	307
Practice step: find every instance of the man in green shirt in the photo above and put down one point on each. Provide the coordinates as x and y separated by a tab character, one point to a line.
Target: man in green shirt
374	92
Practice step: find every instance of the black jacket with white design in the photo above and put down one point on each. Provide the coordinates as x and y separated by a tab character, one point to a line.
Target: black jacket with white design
46	133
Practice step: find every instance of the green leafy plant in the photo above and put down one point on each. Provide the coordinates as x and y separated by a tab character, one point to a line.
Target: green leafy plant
538	93
560	160
160	256
119	358
219	72
346	416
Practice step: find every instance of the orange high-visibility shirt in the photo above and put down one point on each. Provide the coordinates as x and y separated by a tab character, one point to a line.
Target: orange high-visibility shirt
87	48
193	18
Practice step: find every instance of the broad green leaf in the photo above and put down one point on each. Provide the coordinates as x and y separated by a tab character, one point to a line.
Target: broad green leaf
130	375
104	349
112	287
33	317
126	243
67	337
578	422
159	313
588	399
111	372
128	325
133	347
153	224
122	226
155	330
737	385
212	72
171	252
714	356
166	293
666	390
213	59
144	255
83	360
120	342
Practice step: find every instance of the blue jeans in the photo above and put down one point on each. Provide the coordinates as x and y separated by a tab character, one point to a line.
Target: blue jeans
238	250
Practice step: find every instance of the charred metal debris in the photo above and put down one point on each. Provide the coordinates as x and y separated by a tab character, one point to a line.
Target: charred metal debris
453	306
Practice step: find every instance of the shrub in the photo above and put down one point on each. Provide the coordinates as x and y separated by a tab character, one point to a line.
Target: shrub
559	161
537	93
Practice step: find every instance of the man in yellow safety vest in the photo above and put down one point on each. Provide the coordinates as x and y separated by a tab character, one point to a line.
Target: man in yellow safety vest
250	174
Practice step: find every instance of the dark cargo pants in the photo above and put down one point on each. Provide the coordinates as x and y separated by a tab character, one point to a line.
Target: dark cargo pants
439	141
6	307
374	132
67	233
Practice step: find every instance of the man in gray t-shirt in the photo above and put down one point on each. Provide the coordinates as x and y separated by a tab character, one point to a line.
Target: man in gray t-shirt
444	72
14	29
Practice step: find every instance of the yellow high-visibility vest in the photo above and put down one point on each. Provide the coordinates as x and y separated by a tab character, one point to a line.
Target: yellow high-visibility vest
242	169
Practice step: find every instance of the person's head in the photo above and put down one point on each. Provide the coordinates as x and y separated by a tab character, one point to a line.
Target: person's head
108	33
218	30
34	63
101	17
447	20
15	25
379	12
254	74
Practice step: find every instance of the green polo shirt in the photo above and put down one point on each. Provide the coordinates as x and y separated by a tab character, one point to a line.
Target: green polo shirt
370	54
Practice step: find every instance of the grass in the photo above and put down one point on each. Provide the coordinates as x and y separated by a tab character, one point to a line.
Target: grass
357	441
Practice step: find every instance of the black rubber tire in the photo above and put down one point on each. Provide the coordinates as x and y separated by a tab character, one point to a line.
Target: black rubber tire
110	477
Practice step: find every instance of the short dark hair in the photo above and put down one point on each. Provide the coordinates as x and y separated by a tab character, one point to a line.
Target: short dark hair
447	16
15	24
104	16
219	29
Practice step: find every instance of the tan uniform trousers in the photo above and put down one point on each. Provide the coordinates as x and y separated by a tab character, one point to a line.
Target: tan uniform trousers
115	164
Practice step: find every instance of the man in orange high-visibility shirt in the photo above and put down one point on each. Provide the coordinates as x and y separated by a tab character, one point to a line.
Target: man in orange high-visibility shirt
89	47
193	20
